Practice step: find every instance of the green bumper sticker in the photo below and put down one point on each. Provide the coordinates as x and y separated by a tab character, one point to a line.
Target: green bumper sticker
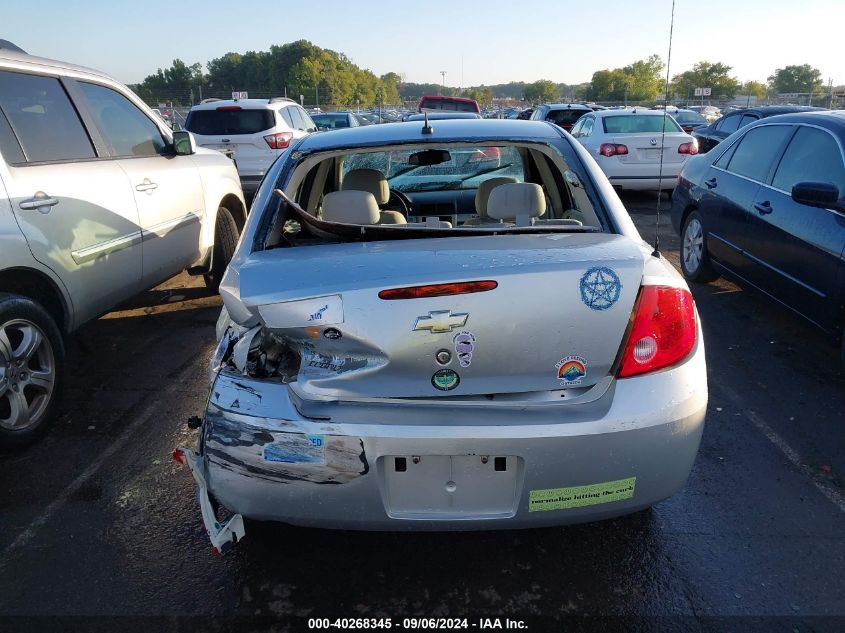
579	496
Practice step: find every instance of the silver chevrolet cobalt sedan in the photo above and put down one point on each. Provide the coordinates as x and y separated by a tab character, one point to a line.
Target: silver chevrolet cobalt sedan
445	326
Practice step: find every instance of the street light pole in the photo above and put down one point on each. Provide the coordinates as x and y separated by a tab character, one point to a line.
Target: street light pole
443	81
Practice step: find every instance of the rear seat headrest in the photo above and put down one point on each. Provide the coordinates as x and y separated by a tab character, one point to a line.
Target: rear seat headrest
514	200
482	194
350	207
371	180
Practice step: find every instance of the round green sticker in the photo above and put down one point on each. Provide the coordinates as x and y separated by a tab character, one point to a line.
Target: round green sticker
445	379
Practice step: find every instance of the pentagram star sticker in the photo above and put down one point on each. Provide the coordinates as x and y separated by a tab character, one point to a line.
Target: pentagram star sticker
600	288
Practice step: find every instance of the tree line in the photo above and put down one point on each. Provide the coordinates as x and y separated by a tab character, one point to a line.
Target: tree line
293	69
325	77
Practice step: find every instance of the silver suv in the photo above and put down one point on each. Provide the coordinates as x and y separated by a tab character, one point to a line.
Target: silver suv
256	131
98	200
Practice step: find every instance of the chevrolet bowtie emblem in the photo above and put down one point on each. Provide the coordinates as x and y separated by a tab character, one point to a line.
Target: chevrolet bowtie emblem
440	321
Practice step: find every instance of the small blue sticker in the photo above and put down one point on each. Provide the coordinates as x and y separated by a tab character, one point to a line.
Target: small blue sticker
600	288
297	449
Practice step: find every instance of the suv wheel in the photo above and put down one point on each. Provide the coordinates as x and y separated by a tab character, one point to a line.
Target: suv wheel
31	364
695	261
225	241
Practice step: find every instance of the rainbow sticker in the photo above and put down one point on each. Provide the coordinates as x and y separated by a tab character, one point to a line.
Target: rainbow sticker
571	370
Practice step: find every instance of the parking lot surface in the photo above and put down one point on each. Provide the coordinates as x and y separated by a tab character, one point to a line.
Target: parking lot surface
97	520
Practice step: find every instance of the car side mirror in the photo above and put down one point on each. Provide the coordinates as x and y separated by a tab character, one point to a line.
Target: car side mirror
818	194
184	143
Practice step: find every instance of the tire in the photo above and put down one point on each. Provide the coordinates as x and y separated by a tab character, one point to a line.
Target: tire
32	358
225	240
695	260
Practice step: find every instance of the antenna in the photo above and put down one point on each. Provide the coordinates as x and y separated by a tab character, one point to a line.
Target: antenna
656	251
427	129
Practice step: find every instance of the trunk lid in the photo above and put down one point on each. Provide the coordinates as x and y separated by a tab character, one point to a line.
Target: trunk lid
644	148
555	321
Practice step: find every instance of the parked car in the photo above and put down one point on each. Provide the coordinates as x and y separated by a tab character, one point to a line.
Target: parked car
439	116
627	145
537	366
709	112
561	114
767	208
710	136
458	104
337	120
99	200
257	131
525	115
689	120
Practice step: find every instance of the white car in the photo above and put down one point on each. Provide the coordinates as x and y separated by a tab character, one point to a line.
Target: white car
256	131
627	144
99	200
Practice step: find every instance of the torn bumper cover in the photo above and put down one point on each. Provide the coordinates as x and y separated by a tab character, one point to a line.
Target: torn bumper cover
222	536
443	466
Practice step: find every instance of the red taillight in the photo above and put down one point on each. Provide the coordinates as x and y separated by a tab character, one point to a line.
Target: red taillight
228	107
690	148
280	140
437	290
486	153
663	331
613	149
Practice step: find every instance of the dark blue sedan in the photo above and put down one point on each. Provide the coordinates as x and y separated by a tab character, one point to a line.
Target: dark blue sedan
766	207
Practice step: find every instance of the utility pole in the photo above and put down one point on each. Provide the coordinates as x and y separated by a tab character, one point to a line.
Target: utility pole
830	94
443	81
317	95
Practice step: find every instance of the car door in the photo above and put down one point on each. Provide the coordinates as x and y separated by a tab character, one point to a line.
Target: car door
76	211
721	130
729	189
167	188
798	247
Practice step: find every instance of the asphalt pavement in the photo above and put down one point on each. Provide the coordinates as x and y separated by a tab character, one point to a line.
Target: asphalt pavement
97	521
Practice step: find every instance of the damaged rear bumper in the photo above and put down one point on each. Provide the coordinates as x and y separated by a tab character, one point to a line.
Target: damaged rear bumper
403	467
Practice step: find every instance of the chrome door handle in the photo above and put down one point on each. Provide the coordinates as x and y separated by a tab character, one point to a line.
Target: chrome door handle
40	201
147	185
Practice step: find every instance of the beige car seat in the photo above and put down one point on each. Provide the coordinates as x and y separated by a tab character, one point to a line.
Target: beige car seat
374	182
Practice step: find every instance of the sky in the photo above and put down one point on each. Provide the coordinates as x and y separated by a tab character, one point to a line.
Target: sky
475	42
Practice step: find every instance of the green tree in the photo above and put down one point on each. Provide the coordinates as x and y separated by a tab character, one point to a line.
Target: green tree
754	89
802	78
715	76
175	84
542	91
639	81
483	95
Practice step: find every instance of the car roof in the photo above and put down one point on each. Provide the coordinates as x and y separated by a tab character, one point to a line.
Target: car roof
773	110
440	115
566	106
445	98
444	131
25	61
631	111
834	120
246	104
